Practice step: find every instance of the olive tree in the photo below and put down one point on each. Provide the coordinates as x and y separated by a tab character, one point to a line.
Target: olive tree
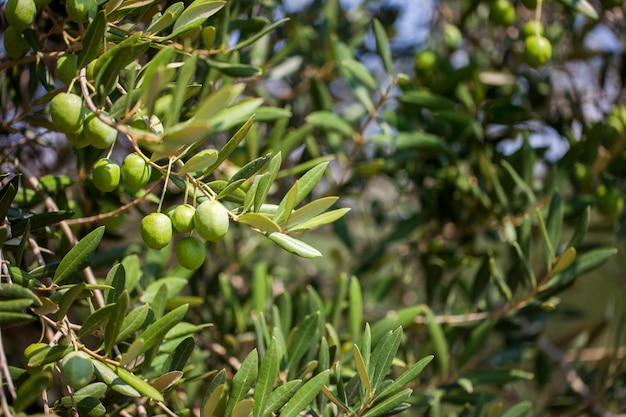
225	208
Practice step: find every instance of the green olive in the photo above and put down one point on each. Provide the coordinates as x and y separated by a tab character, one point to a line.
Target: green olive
81	10
211	220
14	43
99	134
76	369
66	111
190	252
537	51
20	13
66	68
156	230
182	218
106	175
135	171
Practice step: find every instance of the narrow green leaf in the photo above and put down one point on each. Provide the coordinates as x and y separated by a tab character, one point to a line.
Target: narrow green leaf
521	184
428	100
280	396
406	377
250	168
243	380
93	39
554	222
7	194
287	205
293	245
77	256
564	261
310	210
177	360
106	374
259	221
382	47
132	353
360	73
167	380
267	377
135	320
8	319
114	326
47	354
252	39
383	355
581	228
229	189
584	7
14	291
320	220
266	181
389	404
200	161
23	278
232	144
232	116
116	278
167	19
529	275
355	308
194	15
209	407
584	263
243	408
477	339
215	102
401	318
30	391
331	122
362	370
440	344
234	69
139	384
309	180
302	340
157	330
96	320
184	76
303	397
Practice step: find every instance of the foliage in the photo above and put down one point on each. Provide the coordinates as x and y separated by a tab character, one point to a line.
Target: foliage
174	171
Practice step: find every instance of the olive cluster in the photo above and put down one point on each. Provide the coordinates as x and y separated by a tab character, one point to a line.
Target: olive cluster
210	219
21	15
537	48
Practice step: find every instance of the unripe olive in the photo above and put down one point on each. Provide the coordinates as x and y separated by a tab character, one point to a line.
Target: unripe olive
99	134
76	369
14	43
156	230
106	175
182	218
502	12
66	68
135	171
190	252
81	10
211	220
77	140
537	51
531	28
20	13
66	111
